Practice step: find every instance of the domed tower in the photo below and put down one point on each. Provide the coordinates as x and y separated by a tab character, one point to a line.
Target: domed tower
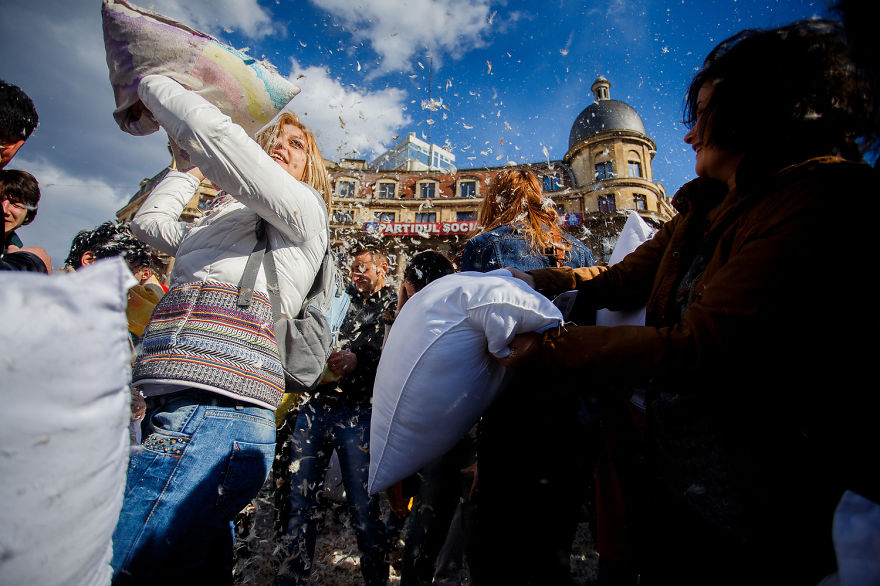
610	156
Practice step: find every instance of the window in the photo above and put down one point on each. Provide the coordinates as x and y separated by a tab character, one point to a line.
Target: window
387	190
345	188
467	189
426	189
552	183
343	216
426	217
606	203
466	216
640	201
635	169
385	217
604	170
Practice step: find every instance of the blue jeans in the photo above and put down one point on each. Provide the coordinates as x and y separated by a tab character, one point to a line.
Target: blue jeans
203	458
319	430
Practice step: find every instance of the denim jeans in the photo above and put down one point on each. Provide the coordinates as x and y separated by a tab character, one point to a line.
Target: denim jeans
203	458
319	430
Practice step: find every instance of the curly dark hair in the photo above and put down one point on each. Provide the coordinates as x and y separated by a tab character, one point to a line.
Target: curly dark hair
109	239
18	117
782	96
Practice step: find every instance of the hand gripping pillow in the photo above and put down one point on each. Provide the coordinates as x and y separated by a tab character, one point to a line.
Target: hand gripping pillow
436	377
140	42
63	422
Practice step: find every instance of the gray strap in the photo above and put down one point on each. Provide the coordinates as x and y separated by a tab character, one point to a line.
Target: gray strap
249	277
272	284
259	257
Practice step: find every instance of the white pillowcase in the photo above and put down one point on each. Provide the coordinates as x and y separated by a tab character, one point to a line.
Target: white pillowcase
634	233
63	422
436	377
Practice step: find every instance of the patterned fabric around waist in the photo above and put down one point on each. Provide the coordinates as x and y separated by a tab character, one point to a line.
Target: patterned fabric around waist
197	334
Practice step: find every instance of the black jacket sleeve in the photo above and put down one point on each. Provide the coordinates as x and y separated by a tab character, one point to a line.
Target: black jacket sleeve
22	261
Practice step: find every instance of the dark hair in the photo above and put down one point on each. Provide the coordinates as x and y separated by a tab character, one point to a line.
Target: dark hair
21	187
426	267
18	117
108	240
781	96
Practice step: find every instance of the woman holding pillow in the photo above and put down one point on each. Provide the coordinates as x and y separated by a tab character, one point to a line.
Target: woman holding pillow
758	416
209	430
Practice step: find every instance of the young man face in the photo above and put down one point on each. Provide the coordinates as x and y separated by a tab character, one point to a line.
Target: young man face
368	276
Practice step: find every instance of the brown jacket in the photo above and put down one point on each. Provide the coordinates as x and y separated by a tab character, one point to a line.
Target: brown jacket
760	402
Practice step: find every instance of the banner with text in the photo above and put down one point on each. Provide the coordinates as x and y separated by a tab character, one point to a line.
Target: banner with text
421	228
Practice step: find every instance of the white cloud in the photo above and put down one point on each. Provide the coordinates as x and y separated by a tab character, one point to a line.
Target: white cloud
68	204
347	122
216	16
397	29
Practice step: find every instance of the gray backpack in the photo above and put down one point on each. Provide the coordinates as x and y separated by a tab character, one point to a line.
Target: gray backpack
305	341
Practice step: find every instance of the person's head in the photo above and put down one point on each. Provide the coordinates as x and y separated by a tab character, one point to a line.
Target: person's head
369	266
18	119
765	99
108	240
424	268
293	146
20	193
515	196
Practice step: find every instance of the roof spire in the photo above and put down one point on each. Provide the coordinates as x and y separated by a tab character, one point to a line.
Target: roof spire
600	89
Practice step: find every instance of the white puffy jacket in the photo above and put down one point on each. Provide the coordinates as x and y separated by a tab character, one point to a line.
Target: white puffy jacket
216	247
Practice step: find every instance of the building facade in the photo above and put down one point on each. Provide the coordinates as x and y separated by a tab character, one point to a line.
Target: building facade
412	198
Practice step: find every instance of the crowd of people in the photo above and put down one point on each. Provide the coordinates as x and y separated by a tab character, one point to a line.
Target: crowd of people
755	416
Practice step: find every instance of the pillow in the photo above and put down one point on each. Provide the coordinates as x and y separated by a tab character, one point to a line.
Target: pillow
435	376
140	42
635	232
63	423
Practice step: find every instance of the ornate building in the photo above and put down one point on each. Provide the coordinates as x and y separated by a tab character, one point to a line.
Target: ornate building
416	205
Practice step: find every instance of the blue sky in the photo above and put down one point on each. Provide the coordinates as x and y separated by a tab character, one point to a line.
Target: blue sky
512	76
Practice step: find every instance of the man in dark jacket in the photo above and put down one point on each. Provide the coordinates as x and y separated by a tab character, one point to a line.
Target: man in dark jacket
336	416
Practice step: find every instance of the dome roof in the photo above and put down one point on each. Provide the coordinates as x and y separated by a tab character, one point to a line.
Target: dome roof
604	114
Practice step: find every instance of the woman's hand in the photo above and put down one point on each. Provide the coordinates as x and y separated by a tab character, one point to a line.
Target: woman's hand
182	162
523	349
522	276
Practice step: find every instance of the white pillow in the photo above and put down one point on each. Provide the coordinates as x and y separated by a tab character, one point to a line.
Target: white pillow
63	422
140	42
436	377
635	232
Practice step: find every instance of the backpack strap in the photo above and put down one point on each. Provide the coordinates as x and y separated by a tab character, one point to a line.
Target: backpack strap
259	257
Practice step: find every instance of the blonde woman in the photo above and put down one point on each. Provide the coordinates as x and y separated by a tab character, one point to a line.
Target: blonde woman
210	370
